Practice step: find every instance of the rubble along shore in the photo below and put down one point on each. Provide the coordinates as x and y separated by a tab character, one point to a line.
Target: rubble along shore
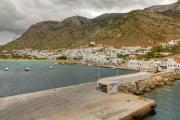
156	81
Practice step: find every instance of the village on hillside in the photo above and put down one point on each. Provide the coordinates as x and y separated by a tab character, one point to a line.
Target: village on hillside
163	57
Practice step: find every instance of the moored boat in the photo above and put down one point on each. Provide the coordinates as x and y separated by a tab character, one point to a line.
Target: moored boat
27	69
6	69
51	67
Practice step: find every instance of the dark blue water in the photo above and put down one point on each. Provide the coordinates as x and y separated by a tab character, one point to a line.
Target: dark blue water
168	103
17	81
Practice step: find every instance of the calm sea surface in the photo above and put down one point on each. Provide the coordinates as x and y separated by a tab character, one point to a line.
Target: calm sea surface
168	103
41	77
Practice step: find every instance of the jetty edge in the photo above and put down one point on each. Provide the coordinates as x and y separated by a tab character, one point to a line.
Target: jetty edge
79	102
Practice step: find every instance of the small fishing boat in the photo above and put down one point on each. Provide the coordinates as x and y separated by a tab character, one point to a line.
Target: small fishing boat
27	69
51	67
6	69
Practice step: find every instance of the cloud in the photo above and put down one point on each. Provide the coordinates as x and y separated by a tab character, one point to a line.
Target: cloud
9	16
18	15
7	36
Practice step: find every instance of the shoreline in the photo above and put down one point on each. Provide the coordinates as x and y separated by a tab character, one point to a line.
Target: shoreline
71	62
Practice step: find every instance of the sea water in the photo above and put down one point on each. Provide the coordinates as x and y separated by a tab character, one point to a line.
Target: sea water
168	103
42	77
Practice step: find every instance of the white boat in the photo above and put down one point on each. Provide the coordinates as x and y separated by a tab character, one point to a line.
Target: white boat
6	69
51	67
27	69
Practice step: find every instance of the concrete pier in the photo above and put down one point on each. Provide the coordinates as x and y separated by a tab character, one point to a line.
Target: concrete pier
80	102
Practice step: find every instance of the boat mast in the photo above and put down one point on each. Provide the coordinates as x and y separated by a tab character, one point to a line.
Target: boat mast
98	72
99	75
117	70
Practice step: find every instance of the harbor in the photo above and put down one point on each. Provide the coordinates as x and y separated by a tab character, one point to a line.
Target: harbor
79	102
110	96
89	60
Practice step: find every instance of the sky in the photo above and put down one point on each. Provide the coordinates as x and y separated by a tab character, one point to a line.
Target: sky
16	16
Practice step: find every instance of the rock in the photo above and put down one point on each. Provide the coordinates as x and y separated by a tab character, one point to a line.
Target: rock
141	86
123	89
158	78
132	87
155	83
138	93
169	83
161	83
147	89
152	85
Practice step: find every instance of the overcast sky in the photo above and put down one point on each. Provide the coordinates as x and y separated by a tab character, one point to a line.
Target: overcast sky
17	15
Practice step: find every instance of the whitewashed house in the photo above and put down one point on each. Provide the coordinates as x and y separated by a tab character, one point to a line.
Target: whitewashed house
139	64
173	42
171	64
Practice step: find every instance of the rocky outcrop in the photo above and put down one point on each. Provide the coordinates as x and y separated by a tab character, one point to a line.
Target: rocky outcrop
156	81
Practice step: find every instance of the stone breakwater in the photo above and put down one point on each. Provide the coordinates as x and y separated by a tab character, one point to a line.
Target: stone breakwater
156	81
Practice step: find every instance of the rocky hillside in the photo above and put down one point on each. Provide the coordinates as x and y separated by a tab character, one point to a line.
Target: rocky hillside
51	34
139	28
172	10
54	34
142	27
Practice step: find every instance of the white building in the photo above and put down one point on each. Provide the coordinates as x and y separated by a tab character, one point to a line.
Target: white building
163	65
171	64
140	64
171	43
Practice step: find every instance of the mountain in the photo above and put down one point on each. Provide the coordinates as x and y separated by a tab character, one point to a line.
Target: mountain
108	18
64	34
52	34
140	27
172	10
165	8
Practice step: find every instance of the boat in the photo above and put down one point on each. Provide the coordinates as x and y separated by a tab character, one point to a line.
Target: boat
27	69
54	63
51	67
6	69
